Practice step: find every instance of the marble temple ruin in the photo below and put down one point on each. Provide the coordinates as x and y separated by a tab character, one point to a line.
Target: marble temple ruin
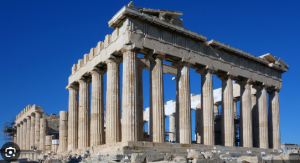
159	36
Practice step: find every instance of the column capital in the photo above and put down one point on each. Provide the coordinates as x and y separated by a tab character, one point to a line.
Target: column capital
97	71
205	70
18	124
84	80
24	120
272	88
260	86
72	87
130	47
243	81
32	114
155	54
225	76
113	58
183	62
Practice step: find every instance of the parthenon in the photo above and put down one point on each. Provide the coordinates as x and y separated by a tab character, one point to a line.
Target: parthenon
158	35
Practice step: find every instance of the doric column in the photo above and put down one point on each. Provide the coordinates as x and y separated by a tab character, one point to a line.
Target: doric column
199	121
113	106
245	114
84	114
235	100
172	134
18	134
183	104
227	118
63	131
207	105
38	116
28	128
24	138
97	109
129	101
43	132
21	138
255	120
73	118
32	130
274	119
157	98
263	116
140	103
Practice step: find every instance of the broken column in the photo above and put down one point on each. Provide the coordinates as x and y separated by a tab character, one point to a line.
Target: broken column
113	110
245	113
183	102
43	132
63	131
129	101
84	114
157	98
97	109
73	118
48	143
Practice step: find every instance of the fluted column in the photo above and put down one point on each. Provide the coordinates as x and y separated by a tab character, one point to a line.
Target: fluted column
172	135
18	134
21	138
274	119
263	117
255	120
38	116
63	131
199	121
140	103
207	104
73	118
28	128
227	118
157	98
129	101
245	114
183	101
84	114
32	130
43	132
24	138
113	106
235	100
97	109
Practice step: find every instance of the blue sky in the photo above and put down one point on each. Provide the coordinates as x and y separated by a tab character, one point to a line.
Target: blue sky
41	40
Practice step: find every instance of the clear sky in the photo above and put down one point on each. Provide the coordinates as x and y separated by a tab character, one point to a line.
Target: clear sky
41	40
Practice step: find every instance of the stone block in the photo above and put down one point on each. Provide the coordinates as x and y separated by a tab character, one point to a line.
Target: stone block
168	157
115	158
153	157
138	157
252	159
195	155
80	64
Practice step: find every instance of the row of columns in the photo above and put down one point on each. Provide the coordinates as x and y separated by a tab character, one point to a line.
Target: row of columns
31	132
131	126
